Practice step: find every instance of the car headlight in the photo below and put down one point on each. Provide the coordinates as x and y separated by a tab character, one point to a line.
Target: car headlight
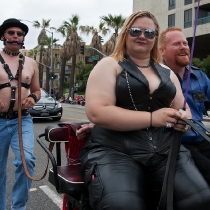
58	105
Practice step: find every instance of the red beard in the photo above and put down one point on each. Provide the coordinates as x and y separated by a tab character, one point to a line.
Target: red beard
182	61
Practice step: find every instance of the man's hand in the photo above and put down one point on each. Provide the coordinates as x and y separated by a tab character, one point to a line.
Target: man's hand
84	131
28	103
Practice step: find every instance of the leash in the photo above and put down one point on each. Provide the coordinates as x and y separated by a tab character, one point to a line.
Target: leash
166	199
20	68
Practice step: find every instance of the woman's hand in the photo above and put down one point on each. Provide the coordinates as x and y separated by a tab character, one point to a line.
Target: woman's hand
181	125
165	117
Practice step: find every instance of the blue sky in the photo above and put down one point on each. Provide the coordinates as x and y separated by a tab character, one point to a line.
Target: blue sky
89	12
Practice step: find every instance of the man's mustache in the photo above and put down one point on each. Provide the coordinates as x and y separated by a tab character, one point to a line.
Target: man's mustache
184	51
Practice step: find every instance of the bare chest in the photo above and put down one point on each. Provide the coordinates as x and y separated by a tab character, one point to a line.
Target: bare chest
12	69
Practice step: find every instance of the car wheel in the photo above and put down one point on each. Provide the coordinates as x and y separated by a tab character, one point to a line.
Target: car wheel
56	118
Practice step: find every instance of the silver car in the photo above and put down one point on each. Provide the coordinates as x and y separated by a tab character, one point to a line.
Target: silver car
47	107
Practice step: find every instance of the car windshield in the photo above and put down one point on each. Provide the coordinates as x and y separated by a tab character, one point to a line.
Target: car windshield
44	94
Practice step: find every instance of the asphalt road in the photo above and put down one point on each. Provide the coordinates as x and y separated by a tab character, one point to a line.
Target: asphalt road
43	195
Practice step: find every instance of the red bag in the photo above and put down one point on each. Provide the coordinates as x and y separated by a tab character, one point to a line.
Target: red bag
74	150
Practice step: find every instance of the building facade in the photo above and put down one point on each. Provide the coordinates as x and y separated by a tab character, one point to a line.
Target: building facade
182	14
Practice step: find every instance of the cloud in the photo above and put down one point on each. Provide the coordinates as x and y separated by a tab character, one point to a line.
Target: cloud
89	12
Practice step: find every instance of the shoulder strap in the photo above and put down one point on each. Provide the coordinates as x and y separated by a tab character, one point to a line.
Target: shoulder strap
7	69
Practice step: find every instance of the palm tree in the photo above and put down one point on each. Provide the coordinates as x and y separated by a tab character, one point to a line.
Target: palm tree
96	41
45	24
70	48
33	53
47	41
116	22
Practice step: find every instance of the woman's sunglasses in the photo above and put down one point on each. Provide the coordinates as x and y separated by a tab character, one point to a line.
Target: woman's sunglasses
136	32
19	33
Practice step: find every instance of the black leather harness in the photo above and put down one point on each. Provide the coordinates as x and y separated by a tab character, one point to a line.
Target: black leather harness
10	113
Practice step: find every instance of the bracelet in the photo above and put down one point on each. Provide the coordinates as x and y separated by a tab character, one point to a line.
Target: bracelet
151	120
32	95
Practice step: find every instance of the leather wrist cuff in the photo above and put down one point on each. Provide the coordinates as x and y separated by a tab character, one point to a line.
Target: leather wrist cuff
32	95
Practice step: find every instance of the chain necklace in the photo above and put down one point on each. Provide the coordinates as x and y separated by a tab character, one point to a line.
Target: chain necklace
142	66
10	54
129	89
147	66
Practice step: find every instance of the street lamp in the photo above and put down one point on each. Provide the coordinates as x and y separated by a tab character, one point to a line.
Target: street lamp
51	53
97	51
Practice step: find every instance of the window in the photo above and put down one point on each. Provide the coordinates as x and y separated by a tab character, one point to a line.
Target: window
66	78
188	18
66	68
171	20
55	66
171	4
81	58
187	2
203	17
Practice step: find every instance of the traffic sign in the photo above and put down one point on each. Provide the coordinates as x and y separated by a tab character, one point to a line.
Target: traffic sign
95	57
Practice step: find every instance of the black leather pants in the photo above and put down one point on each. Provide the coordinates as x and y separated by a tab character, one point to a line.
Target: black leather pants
116	181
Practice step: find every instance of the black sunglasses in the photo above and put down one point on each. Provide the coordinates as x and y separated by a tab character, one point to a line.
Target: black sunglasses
19	33
148	33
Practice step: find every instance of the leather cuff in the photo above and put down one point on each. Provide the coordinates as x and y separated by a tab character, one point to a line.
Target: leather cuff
32	95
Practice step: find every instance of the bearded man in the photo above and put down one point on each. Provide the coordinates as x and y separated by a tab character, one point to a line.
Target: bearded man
175	51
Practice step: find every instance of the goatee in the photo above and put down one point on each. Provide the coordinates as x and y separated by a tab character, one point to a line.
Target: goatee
182	61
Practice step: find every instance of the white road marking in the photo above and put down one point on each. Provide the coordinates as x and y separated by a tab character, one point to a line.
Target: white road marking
52	195
33	189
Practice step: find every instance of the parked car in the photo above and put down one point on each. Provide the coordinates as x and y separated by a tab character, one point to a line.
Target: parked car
47	107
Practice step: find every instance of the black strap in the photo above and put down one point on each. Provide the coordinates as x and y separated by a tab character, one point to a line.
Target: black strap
12	102
201	124
191	123
5	85
166	199
7	69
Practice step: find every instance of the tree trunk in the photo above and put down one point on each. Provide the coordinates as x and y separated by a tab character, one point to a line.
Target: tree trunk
71	83
61	79
94	62
40	67
48	80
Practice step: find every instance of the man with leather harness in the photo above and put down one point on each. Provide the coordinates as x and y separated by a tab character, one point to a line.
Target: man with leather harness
12	33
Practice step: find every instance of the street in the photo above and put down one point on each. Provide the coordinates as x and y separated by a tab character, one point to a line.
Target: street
43	195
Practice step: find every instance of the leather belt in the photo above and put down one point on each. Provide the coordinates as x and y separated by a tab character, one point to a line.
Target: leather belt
5	115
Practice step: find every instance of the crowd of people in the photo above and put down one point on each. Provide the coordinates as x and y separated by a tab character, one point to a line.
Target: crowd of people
134	110
79	99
